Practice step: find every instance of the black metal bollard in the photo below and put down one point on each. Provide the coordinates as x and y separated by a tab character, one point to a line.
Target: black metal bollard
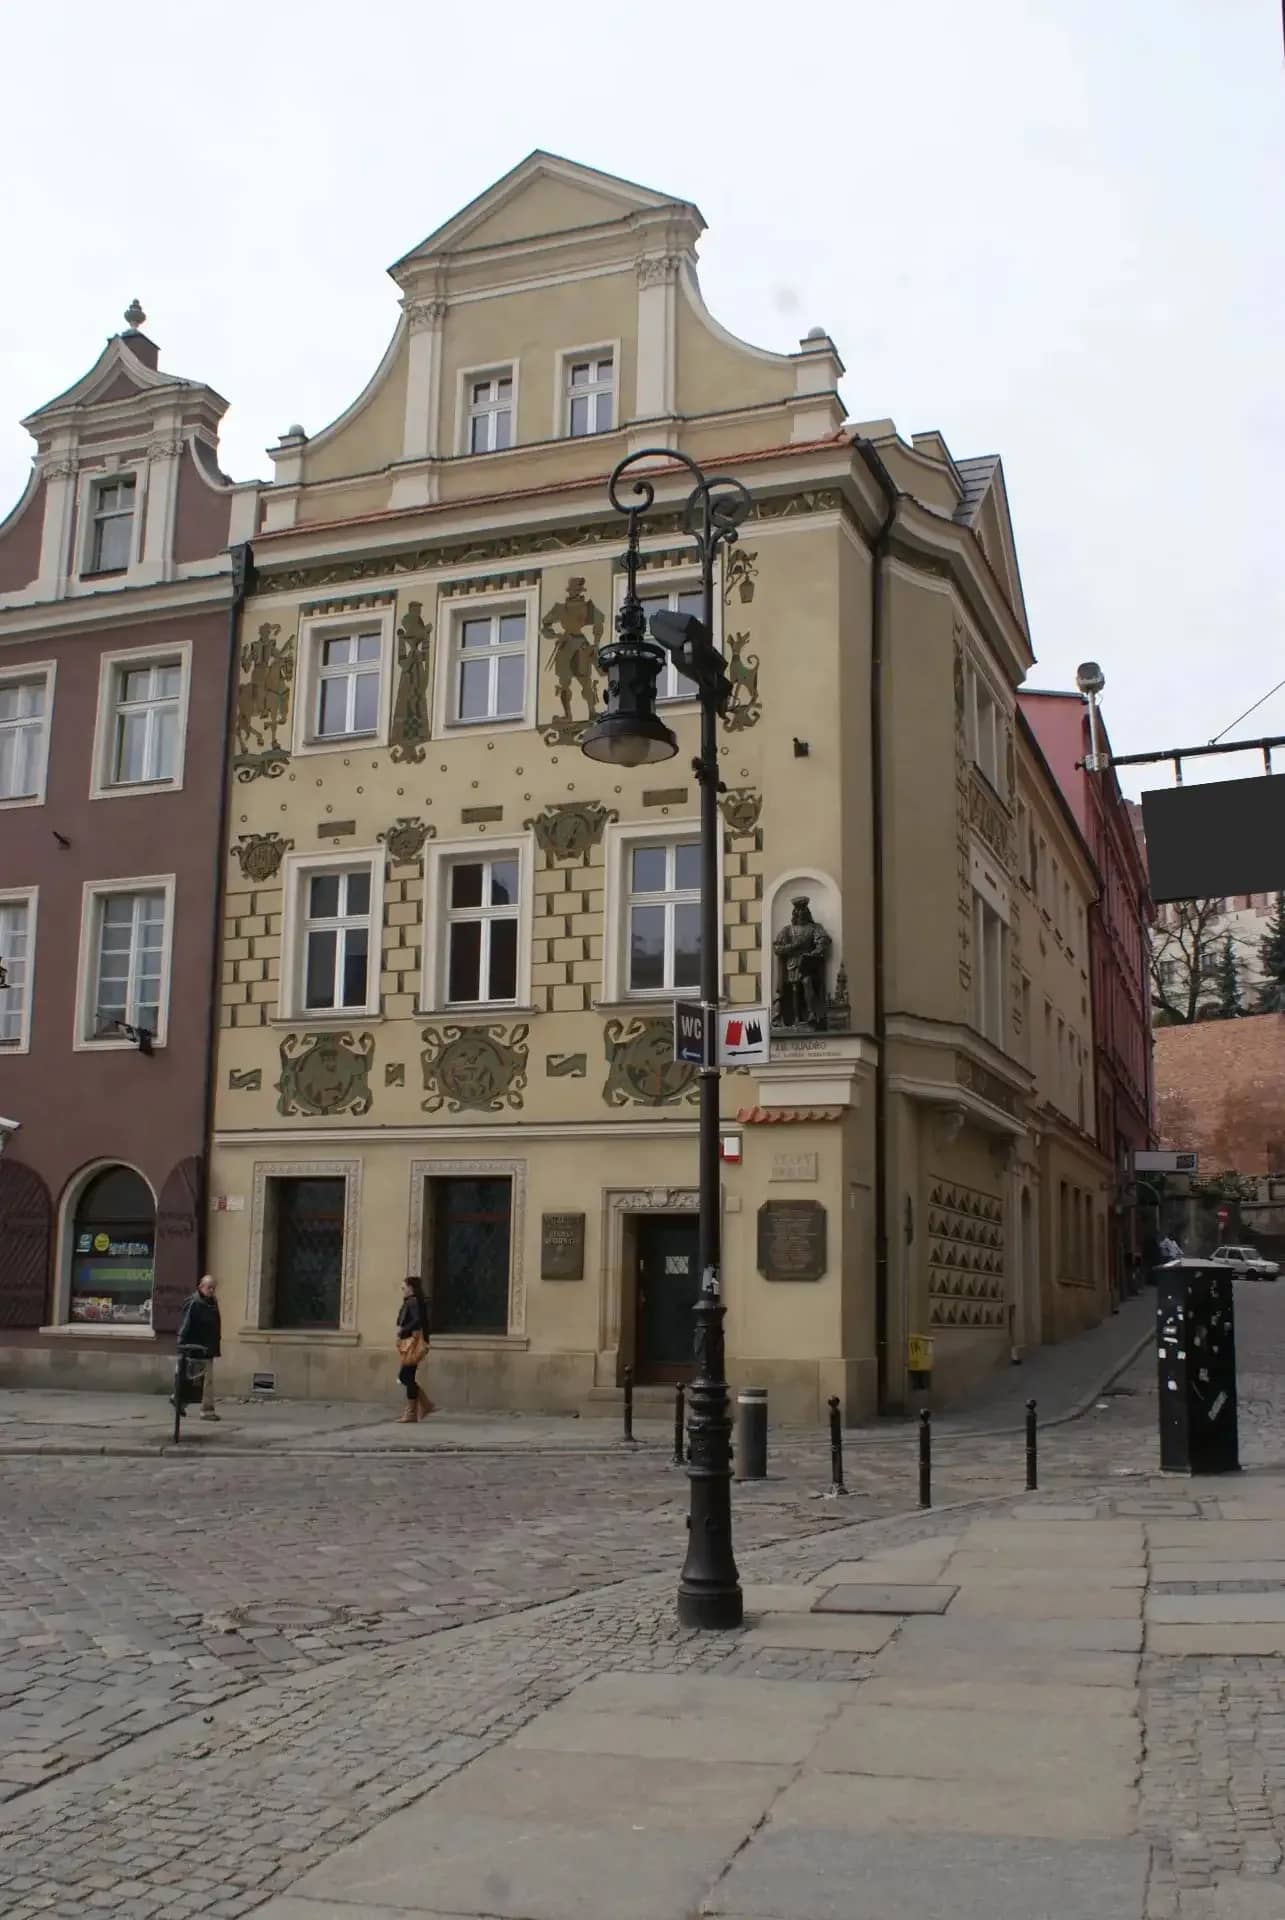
680	1397
925	1458
1032	1449
751	1434
629	1404
837	1488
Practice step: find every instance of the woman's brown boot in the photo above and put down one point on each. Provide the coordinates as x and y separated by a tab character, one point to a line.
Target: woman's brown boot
411	1414
423	1402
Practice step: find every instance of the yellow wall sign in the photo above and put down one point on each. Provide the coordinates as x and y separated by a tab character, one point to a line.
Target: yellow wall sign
919	1355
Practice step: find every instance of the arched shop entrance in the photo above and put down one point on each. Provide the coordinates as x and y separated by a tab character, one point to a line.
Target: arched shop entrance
113	1251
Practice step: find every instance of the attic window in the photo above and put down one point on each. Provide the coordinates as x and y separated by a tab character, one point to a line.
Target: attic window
590	394
111	542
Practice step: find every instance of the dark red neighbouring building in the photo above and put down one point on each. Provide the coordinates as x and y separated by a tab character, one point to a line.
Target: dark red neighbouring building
1119	944
118	583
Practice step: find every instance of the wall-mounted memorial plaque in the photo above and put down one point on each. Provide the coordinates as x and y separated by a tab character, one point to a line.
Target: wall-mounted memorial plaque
562	1246
791	1240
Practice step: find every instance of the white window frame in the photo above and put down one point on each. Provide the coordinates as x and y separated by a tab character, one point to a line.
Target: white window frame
669	580
32	670
990	899
988	761
28	897
312	637
441	856
564	360
621	841
91	480
451	610
298	868
111	666
84	1039
465	381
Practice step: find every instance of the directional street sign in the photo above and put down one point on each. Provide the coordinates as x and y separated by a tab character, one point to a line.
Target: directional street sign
689	1034
743	1037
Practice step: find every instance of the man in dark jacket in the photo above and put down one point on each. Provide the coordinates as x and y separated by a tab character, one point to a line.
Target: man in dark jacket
202	1327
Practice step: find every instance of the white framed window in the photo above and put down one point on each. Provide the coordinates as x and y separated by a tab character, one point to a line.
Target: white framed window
17	957
141	727
127	932
986	729
478	912
651	946
489	410
990	961
486	668
346	688
332	935
482	928
111	508
26	709
671	683
586	390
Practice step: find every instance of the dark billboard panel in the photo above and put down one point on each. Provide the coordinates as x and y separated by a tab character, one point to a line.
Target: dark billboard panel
1227	837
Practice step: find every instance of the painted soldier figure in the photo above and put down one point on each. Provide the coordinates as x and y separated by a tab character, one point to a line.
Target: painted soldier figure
802	949
572	655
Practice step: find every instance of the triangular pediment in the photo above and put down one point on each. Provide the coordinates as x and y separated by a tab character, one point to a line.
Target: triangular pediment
985	509
544	194
117	374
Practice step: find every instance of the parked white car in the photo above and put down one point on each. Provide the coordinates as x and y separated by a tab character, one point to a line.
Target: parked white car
1248	1262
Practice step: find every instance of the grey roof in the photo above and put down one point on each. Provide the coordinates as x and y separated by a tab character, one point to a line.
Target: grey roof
976	475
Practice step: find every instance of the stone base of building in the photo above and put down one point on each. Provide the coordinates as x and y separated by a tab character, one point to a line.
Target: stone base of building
88	1365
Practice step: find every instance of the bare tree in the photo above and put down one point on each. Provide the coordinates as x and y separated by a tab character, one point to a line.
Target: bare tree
1189	946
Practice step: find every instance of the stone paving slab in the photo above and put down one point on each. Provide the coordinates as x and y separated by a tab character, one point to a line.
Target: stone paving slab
1096	1808
1047	1580
1235	1642
993	1661
1233	1900
1216	1609
823	1633
854	1597
1002	1696
796	1874
998	1602
1215	1571
516	1869
922	1743
668	1717
952	1633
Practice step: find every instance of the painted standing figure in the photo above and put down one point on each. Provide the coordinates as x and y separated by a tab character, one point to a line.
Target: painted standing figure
571	657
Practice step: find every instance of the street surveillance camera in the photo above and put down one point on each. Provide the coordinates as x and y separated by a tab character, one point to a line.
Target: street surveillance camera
1089	677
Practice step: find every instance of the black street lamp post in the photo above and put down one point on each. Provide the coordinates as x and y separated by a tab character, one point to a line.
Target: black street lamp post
630	733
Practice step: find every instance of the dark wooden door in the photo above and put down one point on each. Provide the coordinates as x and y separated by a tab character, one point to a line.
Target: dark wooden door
668	1286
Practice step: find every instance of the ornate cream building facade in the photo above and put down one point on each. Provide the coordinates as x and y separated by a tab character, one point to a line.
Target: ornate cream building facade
452	942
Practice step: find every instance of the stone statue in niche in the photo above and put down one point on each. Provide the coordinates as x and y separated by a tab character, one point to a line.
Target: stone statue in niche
802	949
572	655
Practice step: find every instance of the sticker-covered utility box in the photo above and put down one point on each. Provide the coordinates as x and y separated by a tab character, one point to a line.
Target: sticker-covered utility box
1196	1350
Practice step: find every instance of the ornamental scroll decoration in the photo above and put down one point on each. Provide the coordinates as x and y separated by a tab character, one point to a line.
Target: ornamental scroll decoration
405	838
641	1068
740	573
326	1073
741	809
568	829
745	706
263	704
519	546
260	855
478	1069
409	730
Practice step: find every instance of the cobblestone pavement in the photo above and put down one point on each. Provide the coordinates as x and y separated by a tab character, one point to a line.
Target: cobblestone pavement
213	1674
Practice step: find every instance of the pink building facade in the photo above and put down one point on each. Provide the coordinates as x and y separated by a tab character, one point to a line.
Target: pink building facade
1119	948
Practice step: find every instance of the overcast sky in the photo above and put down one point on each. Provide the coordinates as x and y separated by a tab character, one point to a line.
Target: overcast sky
1051	228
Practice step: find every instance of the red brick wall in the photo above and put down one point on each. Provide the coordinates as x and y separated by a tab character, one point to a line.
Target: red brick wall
1220	1087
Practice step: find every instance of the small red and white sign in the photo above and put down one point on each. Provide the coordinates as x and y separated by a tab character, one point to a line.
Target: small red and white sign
743	1037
